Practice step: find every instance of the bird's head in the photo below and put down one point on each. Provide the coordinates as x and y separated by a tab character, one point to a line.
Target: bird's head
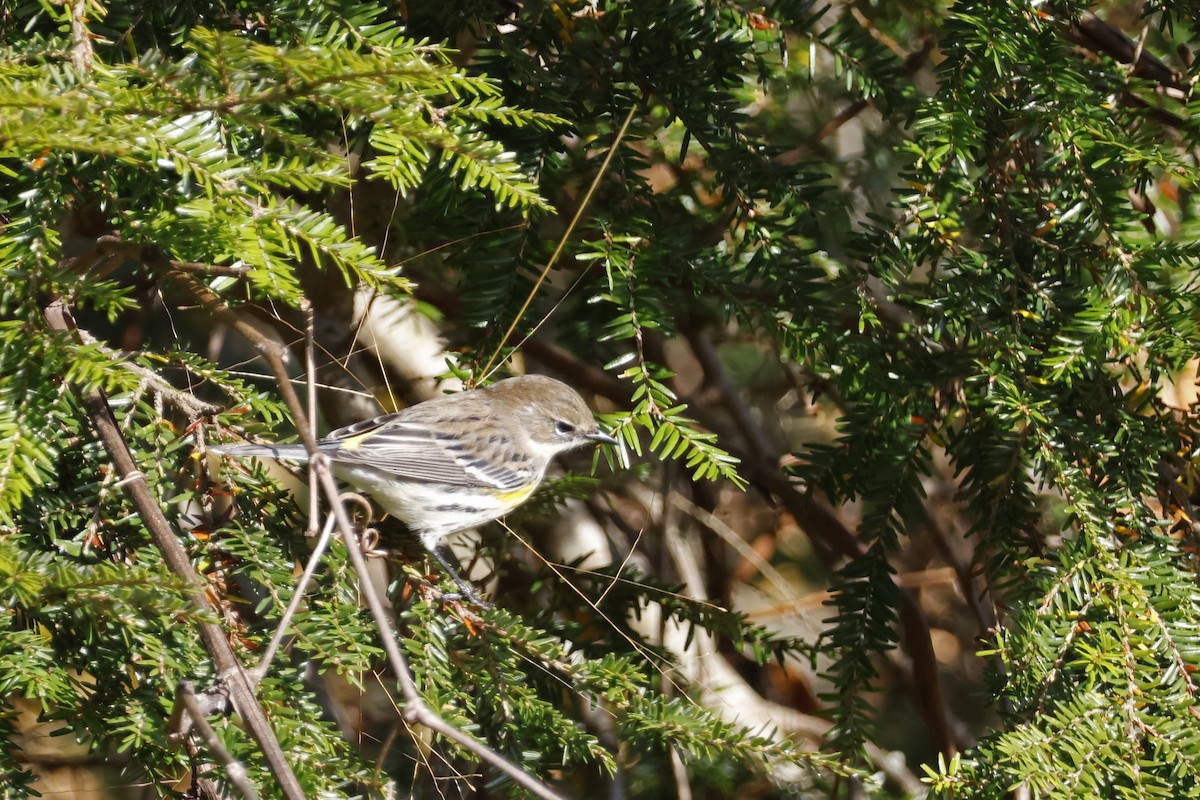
550	413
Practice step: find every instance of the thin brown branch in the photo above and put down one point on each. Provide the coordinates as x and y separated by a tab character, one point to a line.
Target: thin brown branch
797	154
213	638
184	401
913	62
1093	33
275	354
487	368
985	618
213	270
110	251
235	771
1097	36
81	37
310	385
415	711
285	621
706	353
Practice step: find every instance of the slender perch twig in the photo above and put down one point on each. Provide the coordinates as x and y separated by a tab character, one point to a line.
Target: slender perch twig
314	560
415	710
234	769
185	402
176	558
109	252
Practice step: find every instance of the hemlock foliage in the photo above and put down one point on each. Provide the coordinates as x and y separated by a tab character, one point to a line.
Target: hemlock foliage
874	293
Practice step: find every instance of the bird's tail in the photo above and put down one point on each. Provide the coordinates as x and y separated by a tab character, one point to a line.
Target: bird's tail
294	452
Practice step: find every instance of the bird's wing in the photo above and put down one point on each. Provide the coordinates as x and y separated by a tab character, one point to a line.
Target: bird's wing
414	451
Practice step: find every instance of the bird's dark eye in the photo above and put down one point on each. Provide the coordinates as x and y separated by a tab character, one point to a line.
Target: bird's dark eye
563	428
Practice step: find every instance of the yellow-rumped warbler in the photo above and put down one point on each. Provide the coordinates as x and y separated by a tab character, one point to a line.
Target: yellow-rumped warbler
455	462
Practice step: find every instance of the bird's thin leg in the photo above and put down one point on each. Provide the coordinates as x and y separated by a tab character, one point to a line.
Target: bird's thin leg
443	555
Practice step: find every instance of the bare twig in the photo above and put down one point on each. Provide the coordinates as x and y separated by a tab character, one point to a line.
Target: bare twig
415	711
728	535
210	270
1098	36
310	384
275	354
234	769
314	560
185	402
706	353
1094	34
81	37
109	252
176	558
913	62
985	618
562	243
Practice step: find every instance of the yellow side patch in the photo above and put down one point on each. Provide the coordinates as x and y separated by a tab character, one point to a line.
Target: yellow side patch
515	496
354	442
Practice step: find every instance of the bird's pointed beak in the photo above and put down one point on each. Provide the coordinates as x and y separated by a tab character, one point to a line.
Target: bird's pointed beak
602	437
